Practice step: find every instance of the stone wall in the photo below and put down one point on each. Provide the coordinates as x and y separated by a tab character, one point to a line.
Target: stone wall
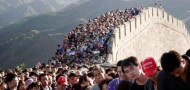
151	33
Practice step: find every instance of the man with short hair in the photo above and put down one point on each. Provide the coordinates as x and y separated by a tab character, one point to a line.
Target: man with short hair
73	79
44	80
176	72
34	76
133	70
115	82
12	81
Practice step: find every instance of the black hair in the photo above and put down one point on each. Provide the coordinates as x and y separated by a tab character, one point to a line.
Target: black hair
188	53
185	57
83	78
90	74
129	61
10	77
72	75
108	70
100	69
119	63
25	70
104	81
33	74
113	75
170	61
41	75
32	85
20	83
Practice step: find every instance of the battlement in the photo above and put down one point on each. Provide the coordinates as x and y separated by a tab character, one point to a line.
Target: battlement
154	27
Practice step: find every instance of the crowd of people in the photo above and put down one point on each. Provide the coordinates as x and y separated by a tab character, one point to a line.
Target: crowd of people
90	42
83	47
75	64
129	74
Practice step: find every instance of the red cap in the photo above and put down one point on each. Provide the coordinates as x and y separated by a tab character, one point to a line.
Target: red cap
62	80
149	66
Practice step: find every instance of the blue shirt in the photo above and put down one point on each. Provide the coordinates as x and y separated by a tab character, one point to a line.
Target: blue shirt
113	84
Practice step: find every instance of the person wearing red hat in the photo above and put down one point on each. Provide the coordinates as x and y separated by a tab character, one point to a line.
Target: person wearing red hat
62	83
151	70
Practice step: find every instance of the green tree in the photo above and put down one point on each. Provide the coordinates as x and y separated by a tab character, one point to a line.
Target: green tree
21	66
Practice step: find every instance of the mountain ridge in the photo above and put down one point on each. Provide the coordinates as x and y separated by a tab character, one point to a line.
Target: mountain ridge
13	11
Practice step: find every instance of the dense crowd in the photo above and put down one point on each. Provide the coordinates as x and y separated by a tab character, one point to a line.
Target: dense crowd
130	74
84	46
90	42
74	66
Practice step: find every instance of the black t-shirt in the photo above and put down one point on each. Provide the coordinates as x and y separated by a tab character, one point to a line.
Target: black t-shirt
147	86
170	82
135	86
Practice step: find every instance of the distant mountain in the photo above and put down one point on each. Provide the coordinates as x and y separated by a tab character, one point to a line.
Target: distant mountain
12	11
35	39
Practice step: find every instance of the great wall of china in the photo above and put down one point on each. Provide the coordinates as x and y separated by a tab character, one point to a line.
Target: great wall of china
151	33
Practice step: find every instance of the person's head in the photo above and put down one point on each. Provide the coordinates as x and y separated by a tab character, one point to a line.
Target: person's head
120	73
131	67
33	86
99	74
26	73
173	63
54	69
21	85
62	83
150	68
109	70
34	76
11	80
58	45
85	81
50	79
103	84
73	79
22	76
44	79
112	75
3	85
